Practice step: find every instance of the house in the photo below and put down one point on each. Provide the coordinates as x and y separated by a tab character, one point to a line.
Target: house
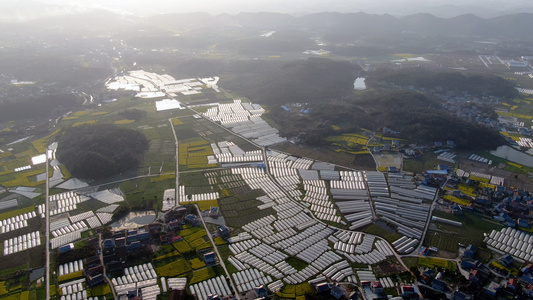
377	287
115	266
213	297
192	219
224	231
444	167
95	270
120	242
474	276
213	212
210	258
95	280
323	287
134	246
506	260
512	284
470	251
337	292
392	170
166	238
66	248
261	292
528	269
428	272
174	225
108	244
492	289
457	210
527	279
439	285
92	261
523	223
461	296
408	290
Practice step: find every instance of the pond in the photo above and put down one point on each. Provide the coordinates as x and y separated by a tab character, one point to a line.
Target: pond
513	155
36	274
359	84
134	219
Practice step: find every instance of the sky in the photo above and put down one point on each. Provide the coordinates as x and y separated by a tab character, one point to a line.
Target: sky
482	8
288	6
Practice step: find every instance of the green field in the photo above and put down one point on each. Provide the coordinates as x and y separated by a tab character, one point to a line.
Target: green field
448	237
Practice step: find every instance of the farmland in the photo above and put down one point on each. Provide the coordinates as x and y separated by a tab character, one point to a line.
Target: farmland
447	237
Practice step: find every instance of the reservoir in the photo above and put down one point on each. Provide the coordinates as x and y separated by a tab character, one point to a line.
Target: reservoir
359	84
134	219
513	155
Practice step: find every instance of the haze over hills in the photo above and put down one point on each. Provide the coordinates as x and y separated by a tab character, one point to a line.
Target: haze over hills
23	10
346	26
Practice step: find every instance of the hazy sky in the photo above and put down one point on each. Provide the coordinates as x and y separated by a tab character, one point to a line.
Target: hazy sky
21	10
290	6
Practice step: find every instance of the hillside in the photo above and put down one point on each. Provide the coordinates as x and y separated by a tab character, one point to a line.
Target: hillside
102	150
415	116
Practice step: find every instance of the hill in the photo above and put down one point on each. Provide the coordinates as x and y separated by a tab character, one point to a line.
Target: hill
102	150
417	117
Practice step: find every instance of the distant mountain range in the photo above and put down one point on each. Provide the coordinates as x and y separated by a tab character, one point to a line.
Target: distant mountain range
347	26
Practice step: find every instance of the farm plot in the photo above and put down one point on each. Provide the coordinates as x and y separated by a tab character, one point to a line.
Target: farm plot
447	237
193	154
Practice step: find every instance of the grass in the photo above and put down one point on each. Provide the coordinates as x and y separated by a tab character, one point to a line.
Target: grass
381	232
296	263
16	212
467	190
3	289
182	247
428	161
203	205
456	200
176	122
173	269
123	122
83	123
448	237
295	291
433	262
219	241
196	263
69	277
202	274
98	291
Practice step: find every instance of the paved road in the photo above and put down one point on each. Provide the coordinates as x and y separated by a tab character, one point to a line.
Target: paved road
176	196
47	228
218	253
102	261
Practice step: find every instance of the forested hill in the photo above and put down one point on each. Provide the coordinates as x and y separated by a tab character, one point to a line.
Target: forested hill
473	84
417	117
101	150
314	79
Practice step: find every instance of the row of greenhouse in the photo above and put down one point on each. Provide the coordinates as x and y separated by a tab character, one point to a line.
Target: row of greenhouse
214	286
22	242
14	226
18	218
405	244
447	156
41	210
514	242
71	267
137	277
65	239
73	290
